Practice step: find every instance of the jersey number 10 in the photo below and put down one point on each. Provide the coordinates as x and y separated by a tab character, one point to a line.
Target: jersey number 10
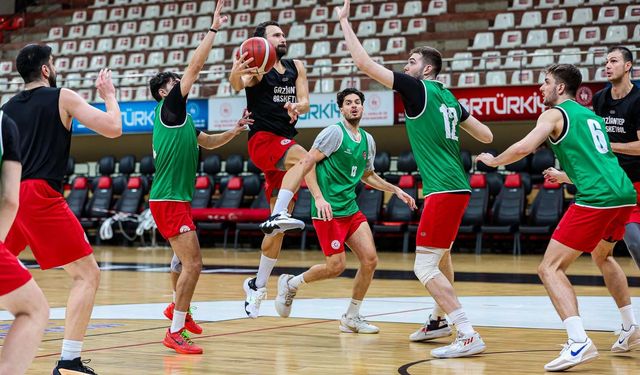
450	117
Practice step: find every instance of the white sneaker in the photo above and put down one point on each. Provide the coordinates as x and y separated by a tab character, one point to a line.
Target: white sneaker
280	223
285	296
356	324
432	329
628	340
573	354
254	297
462	346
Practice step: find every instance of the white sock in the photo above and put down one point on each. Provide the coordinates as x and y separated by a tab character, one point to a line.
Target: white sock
174	297
628	317
282	202
296	281
462	323
70	349
354	308
264	270
437	312
575	329
178	320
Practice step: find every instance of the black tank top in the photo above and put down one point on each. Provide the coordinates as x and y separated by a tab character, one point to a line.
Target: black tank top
44	141
622	118
266	101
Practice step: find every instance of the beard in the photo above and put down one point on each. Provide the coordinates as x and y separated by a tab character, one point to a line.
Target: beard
52	80
281	50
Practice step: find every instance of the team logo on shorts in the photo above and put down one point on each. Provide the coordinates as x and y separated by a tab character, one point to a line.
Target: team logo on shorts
364	155
285	142
184	229
423	234
335	244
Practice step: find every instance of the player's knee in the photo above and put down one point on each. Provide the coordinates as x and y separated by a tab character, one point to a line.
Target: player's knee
544	270
370	262
336	266
426	265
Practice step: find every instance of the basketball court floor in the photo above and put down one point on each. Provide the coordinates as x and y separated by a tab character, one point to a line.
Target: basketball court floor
501	293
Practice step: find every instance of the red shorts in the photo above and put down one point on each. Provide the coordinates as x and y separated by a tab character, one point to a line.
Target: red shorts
172	218
582	228
46	224
441	219
635	214
333	233
265	150
13	274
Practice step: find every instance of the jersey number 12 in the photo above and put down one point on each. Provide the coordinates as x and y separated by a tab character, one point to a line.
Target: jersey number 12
450	117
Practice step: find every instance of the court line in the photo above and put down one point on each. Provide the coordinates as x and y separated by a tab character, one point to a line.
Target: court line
404	369
206	336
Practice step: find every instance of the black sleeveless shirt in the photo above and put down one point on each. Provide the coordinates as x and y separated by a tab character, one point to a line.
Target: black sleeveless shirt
266	101
622	118
44	141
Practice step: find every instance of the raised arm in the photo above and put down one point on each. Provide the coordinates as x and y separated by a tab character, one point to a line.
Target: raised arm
107	123
240	76
211	141
200	56
360	57
549	123
477	129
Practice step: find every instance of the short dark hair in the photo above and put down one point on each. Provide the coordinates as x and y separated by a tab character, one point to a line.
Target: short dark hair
567	74
160	79
261	29
627	56
430	56
30	59
348	91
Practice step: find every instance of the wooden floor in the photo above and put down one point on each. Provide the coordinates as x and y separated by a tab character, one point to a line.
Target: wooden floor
270	345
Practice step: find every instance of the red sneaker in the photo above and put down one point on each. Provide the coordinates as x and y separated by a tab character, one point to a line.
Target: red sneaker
189	323
181	342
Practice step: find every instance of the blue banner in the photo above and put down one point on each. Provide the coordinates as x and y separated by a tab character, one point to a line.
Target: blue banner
137	117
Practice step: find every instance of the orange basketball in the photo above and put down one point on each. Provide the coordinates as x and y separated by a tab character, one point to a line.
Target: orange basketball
263	53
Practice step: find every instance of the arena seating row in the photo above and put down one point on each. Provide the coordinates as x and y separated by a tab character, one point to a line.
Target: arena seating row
141	37
229	198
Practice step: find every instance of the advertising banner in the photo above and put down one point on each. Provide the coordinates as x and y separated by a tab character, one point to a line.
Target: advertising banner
506	103
323	111
137	117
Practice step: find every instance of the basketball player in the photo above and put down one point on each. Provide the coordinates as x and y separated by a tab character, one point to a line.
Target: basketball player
275	99
175	149
605	200
19	293
344	155
433	118
619	106
43	114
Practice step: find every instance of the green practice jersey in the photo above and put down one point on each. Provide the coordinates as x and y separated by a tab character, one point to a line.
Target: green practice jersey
340	172
175	150
433	135
585	155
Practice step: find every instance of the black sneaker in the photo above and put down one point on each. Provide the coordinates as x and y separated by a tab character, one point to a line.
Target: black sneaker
72	367
432	329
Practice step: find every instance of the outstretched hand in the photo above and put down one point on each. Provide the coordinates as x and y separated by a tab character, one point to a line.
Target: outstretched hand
487	158
343	13
104	84
243	124
218	20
